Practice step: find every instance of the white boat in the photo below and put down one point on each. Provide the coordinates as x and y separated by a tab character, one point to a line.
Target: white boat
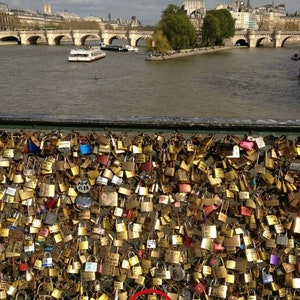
86	54
130	48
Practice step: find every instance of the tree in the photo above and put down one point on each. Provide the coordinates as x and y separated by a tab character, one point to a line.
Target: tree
174	28
161	43
223	24
210	30
172	9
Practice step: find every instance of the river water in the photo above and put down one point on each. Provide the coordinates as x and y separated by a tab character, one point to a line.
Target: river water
260	83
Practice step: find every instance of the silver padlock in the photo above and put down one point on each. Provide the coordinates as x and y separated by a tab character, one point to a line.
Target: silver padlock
47	260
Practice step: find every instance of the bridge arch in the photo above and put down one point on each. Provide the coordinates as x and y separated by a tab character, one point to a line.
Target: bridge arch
286	39
11	38
135	36
82	39
242	42
117	37
107	36
80	36
32	39
261	39
136	42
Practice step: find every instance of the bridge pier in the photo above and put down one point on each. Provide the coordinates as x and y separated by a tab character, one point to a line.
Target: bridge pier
51	38
276	36
76	38
24	38
251	39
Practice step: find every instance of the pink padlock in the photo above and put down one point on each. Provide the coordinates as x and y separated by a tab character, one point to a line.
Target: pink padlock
247	144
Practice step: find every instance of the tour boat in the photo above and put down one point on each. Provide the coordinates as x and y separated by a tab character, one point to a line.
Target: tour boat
85	54
115	48
131	48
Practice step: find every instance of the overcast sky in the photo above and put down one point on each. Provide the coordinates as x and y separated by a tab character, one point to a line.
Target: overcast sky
147	11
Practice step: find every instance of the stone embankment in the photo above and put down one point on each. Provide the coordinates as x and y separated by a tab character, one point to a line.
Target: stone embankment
186	52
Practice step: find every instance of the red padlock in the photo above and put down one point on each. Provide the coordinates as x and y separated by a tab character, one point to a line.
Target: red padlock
146	166
188	241
245	211
23	267
208	209
129	213
103	159
199	288
51	203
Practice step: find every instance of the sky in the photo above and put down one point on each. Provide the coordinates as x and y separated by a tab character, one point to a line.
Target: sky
146	11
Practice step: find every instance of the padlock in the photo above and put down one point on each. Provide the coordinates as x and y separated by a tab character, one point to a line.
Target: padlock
177	272
56	293
151	242
220	271
47	260
83	243
199	288
22	267
274	258
282	239
85	149
230	277
251	295
91	264
160	271
219	290
133	259
296	283
82	229
21	295
248	276
266	277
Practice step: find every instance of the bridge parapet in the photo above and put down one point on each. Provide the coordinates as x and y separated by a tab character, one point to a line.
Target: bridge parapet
78	37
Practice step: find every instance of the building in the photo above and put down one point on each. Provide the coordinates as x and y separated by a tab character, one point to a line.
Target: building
47	8
3	7
68	15
195	10
266	17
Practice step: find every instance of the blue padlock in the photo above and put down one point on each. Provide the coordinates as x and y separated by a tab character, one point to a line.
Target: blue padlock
32	148
85	149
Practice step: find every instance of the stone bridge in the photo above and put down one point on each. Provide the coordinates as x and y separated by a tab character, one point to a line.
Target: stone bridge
255	38
78	37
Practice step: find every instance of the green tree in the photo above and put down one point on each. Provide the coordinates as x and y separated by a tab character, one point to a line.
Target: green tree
172	9
210	30
175	28
222	22
161	43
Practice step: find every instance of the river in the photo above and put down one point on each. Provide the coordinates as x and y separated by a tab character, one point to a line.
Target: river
260	83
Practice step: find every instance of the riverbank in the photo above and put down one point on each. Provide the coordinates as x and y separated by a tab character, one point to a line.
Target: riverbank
186	52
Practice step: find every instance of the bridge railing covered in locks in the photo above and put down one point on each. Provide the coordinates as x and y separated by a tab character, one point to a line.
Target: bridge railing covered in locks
102	215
